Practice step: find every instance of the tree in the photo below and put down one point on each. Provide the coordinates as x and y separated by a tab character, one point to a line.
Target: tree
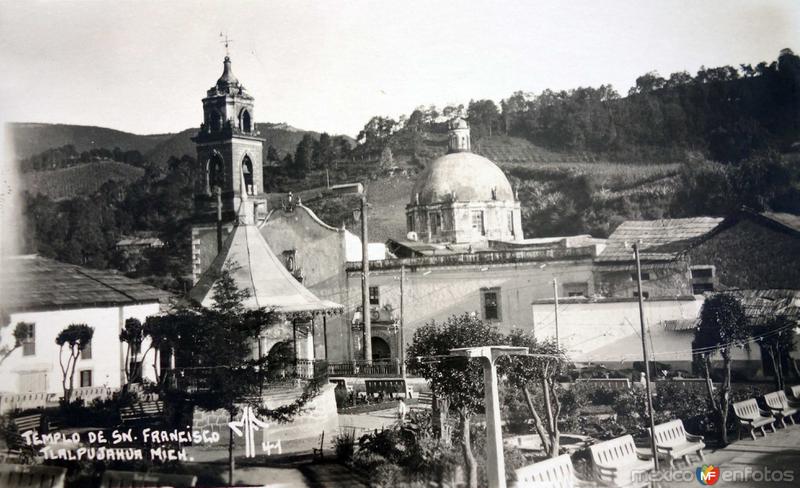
483	116
214	346
547	363
21	332
76	337
777	338
272	154
455	379
132	336
723	326
303	156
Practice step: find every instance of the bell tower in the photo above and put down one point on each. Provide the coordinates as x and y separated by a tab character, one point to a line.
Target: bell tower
229	186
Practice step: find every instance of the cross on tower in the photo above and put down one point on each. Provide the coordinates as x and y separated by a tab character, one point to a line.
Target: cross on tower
224	40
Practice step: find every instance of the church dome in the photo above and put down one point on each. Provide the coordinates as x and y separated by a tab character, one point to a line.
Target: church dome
461	176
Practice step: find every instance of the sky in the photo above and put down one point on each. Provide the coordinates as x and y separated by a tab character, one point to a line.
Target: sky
143	67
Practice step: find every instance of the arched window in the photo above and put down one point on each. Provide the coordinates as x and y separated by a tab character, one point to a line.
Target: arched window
216	121
245	122
247	173
216	173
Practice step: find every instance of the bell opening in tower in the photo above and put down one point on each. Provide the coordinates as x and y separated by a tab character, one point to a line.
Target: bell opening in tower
216	176
247	174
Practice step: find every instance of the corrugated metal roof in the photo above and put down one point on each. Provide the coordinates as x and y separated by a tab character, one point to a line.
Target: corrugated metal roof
659	240
258	270
37	283
760	306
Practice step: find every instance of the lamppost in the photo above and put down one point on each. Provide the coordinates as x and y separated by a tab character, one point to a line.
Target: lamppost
494	439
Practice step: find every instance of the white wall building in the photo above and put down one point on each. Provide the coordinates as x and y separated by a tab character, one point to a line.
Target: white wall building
51	295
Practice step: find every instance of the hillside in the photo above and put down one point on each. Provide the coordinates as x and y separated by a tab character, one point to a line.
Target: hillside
31	138
282	137
84	179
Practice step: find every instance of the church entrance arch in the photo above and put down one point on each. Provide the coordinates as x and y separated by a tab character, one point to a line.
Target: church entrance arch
380	349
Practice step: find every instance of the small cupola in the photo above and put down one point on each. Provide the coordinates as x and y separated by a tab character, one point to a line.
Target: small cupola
227	79
459	136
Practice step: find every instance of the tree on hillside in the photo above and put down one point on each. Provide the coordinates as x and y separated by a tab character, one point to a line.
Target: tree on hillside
272	154
542	369
76	337
455	379
723	326
303	156
483	117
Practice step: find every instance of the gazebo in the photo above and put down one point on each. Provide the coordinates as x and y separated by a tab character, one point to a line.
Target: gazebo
255	268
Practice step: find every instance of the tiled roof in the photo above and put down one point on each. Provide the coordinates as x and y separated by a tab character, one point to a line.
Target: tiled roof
659	240
761	306
36	283
787	220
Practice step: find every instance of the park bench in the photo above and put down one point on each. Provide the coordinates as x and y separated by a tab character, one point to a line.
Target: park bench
390	387
673	441
752	417
610	383
28	422
618	463
780	406
556	472
794	393
424	401
135	479
319	452
142	411
31	476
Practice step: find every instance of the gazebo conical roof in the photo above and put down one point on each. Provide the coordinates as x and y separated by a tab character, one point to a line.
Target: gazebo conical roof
257	269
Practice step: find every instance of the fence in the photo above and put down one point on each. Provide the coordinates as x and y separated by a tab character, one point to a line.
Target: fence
375	369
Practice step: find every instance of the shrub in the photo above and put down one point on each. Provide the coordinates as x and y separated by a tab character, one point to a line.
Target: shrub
345	445
342	397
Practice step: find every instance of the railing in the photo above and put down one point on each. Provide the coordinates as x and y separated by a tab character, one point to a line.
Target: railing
375	369
483	257
197	379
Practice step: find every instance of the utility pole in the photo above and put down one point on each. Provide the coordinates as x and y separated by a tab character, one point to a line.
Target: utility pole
555	297
402	348
644	355
365	311
218	194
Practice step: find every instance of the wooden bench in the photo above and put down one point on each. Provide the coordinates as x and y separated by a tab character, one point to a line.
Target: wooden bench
779	405
390	387
31	476
134	479
752	417
555	472
28	422
610	383
142	411
618	463
794	393
320	451
673	441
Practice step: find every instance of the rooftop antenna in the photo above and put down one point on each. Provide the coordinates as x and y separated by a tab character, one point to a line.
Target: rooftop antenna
224	40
